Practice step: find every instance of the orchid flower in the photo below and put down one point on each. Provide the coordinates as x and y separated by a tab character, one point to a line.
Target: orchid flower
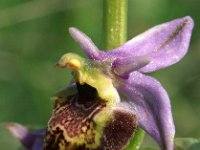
111	95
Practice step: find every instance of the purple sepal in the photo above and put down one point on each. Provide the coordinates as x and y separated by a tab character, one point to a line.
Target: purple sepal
165	44
30	140
146	96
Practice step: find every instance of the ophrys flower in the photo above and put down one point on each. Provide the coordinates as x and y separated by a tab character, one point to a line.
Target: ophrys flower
110	94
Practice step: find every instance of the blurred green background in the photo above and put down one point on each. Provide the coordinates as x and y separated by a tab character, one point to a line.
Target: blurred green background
34	34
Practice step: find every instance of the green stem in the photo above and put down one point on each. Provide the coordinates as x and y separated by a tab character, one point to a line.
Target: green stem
115	34
115	23
136	141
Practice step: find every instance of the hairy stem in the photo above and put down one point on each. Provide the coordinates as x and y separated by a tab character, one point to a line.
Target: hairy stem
115	23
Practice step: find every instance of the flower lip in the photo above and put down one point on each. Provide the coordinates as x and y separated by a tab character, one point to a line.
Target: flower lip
72	120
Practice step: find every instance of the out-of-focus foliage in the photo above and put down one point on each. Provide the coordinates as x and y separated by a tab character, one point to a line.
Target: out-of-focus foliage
33	36
187	144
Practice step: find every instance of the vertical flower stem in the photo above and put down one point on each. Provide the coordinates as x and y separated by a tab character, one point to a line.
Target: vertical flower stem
115	34
115	23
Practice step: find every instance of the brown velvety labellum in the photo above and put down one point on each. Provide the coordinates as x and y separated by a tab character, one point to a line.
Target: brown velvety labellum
118	130
72	119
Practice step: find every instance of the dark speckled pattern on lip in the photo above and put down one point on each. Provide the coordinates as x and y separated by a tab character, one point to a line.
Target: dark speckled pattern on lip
74	118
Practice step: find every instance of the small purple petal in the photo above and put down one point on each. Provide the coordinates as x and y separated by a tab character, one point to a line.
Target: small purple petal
85	43
147	97
123	66
166	44
30	140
